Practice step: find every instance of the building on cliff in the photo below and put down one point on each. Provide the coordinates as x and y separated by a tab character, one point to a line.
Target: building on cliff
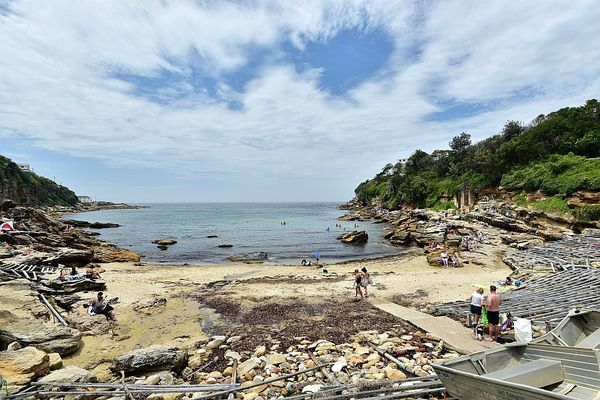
85	199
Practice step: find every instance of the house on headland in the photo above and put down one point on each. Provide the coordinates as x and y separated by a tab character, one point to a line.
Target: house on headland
24	167
85	199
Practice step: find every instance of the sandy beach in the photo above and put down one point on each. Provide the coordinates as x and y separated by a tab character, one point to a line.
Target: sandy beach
203	300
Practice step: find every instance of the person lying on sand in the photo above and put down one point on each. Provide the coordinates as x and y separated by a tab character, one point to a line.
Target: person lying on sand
91	273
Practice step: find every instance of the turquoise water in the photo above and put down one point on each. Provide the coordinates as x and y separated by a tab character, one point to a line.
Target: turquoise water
249	227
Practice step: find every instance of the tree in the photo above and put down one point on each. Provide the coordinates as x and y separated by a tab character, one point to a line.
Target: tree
512	129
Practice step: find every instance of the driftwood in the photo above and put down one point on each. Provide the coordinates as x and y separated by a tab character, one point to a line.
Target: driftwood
393	359
330	376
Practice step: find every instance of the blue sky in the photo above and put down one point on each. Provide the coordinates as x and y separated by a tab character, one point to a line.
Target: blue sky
148	101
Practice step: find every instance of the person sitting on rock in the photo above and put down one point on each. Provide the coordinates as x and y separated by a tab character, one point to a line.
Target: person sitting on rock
91	273
454	261
100	305
443	259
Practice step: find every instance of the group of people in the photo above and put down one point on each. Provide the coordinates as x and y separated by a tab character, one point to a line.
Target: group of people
362	280
446	259
90	273
470	243
492	309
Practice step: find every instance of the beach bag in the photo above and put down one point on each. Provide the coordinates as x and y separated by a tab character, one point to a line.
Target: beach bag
523	332
484	318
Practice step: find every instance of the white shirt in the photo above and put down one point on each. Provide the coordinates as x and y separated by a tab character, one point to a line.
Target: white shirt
476	299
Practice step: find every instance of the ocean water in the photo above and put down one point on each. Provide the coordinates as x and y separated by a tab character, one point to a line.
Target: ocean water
249	227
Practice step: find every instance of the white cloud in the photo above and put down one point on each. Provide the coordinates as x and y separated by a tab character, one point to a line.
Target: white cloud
57	59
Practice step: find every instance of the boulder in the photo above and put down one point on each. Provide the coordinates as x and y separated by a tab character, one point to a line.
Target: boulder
150	359
70	373
165	242
54	361
248	366
256	256
212	236
97	324
20	367
109	254
32	332
72	257
355	237
93	225
225	246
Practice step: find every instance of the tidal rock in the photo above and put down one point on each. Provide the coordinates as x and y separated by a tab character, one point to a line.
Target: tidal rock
153	358
256	256
20	367
70	373
98	324
144	305
108	254
225	246
31	332
355	237
165	242
212	236
72	257
85	285
162	247
93	225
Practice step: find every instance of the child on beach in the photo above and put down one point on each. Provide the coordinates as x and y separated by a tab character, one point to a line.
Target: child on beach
357	283
365	280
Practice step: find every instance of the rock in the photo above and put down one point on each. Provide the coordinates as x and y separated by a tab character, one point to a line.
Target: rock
248	366
276	358
232	355
162	246
75	286
96	324
153	358
260	351
216	342
93	225
72	257
160	378
108	254
154	302
310	389
256	256
14	346
228	371
70	373
225	246
212	236
394	374
32	332
215	374
54	361
339	364
250	396
19	367
165	242
355	359
355	237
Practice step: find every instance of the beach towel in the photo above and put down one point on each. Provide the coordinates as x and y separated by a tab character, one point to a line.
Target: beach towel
484	318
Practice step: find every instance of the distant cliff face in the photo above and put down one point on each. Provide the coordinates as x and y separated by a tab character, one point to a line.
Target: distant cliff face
27	188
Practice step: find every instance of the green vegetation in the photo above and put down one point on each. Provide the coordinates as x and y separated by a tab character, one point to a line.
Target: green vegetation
562	174
27	188
552	204
550	154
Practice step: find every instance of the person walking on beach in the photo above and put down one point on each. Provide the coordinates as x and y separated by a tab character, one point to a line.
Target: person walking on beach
365	280
357	284
476	304
493	312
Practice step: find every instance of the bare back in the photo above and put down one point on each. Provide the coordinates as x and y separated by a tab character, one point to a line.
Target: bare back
493	302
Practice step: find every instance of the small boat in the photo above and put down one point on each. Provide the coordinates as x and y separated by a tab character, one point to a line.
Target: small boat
580	328
521	371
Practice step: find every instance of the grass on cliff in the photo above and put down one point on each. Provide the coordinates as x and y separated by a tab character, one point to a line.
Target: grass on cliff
559	174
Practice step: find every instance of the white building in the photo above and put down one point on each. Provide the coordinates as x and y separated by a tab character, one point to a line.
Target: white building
24	167
85	199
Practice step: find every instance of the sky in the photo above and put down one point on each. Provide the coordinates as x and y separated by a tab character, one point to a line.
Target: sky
200	101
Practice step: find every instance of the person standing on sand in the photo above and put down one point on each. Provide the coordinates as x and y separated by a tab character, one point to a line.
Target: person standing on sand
476	303
365	280
357	283
493	312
